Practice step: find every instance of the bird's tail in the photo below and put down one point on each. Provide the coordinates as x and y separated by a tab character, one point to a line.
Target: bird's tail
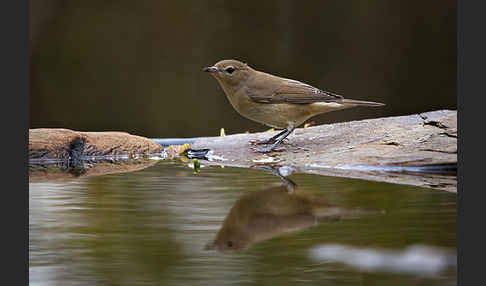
360	102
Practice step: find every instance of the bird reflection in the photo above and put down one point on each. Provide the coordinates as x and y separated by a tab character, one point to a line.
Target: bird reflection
274	211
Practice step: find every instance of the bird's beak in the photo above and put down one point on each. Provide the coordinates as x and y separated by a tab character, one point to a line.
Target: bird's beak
210	69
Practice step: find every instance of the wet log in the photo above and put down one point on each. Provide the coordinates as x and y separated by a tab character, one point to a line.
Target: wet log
418	149
65	144
64	155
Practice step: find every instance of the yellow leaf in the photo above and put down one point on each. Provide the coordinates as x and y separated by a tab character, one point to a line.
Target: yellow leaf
177	150
309	124
183	148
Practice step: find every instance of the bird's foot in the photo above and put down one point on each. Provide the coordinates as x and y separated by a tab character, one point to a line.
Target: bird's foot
267	141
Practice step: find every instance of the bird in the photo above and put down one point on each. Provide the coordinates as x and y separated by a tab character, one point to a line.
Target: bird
281	103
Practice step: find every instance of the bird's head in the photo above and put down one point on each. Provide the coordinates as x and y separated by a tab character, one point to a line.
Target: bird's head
230	73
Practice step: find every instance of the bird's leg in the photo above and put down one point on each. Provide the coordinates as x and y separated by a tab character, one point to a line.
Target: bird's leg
270	140
289	184
285	134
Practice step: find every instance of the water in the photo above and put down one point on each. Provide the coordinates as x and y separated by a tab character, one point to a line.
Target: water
165	225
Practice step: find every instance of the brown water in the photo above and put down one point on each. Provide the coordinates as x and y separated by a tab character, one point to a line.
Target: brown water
165	225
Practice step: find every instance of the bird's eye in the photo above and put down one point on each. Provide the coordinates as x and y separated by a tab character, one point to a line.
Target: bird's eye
229	243
230	70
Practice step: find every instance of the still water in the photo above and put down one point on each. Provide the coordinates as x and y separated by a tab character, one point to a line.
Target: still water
166	225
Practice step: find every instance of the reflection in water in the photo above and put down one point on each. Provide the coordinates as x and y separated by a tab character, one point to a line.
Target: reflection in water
417	259
150	227
274	211
63	171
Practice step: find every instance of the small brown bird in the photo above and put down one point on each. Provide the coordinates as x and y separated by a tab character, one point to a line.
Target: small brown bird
275	101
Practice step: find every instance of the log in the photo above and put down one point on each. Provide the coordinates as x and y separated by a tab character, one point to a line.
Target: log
418	149
64	155
66	144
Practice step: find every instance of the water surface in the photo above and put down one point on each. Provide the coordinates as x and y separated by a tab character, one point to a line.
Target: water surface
165	225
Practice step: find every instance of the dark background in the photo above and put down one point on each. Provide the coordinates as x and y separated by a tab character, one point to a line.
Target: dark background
135	66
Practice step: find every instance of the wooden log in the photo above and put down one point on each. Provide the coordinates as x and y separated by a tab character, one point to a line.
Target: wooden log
418	149
63	154
64	144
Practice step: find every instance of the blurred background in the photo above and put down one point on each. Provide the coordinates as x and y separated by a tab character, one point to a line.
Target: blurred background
135	66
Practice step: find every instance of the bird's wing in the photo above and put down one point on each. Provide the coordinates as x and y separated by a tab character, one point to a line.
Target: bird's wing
292	91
